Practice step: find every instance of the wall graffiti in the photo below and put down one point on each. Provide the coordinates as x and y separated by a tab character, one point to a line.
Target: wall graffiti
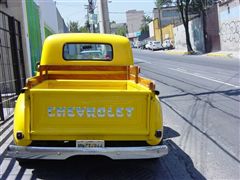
230	31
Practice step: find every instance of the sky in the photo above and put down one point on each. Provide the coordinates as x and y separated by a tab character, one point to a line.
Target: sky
74	10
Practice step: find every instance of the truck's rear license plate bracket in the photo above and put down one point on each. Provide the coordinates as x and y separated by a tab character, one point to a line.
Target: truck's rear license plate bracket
90	143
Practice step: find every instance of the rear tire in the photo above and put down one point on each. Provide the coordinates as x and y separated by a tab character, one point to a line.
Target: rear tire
24	162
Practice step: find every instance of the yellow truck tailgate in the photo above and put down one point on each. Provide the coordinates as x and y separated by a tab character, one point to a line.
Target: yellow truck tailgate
78	114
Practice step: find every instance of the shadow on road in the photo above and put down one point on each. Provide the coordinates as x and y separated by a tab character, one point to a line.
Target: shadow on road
234	92
231	92
176	165
189	121
200	96
169	133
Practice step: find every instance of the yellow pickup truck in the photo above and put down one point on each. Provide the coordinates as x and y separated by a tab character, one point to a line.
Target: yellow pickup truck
87	98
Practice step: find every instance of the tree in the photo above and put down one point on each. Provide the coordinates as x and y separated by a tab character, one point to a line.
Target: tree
121	31
161	3
145	21
83	29
183	7
87	26
73	26
199	6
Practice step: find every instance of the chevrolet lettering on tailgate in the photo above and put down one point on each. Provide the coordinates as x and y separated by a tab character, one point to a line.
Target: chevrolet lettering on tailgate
90	112
87	98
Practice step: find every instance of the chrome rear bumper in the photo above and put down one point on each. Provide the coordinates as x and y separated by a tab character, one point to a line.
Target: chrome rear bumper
60	153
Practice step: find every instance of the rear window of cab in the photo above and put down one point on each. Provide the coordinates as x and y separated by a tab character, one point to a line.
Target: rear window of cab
87	51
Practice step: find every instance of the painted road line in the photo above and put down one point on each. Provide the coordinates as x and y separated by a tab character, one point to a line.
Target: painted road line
141	60
203	77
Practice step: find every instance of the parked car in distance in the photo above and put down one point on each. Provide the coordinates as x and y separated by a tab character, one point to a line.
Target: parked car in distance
92	54
132	44
143	44
167	44
156	45
138	44
147	46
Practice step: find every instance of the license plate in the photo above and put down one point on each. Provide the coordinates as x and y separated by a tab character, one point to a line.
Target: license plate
90	143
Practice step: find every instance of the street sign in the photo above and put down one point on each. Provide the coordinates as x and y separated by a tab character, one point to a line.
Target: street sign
137	33
92	18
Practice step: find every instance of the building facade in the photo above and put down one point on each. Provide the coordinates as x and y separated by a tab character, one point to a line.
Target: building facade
13	56
48	17
134	22
17	9
229	24
38	20
35	37
212	30
195	32
23	27
168	15
62	28
155	32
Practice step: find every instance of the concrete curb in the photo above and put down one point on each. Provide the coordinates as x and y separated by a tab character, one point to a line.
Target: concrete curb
229	55
182	53
176	52
213	54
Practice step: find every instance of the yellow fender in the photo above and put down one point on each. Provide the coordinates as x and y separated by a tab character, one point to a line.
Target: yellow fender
156	122
22	120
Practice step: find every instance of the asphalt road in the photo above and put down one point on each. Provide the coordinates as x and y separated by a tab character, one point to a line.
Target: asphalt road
200	99
200	102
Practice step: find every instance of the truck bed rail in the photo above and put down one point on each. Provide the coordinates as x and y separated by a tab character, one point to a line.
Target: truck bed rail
53	72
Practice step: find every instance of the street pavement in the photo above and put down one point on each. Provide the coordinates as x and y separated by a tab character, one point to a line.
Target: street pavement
200	99
200	103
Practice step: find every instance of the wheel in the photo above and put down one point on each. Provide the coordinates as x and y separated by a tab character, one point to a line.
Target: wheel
24	162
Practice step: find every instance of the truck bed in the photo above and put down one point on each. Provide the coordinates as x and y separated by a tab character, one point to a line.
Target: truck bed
80	109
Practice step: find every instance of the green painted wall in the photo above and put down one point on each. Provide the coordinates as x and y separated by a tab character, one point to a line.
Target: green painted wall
34	32
47	31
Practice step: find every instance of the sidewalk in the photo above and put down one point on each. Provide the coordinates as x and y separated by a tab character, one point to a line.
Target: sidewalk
226	54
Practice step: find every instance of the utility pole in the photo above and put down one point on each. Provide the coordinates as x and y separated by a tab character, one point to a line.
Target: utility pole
160	24
91	7
104	17
87	16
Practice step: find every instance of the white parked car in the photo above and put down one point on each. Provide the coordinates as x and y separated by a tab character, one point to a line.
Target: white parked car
167	44
138	44
149	43
155	45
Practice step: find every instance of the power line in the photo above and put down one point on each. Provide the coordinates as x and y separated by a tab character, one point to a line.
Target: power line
125	12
